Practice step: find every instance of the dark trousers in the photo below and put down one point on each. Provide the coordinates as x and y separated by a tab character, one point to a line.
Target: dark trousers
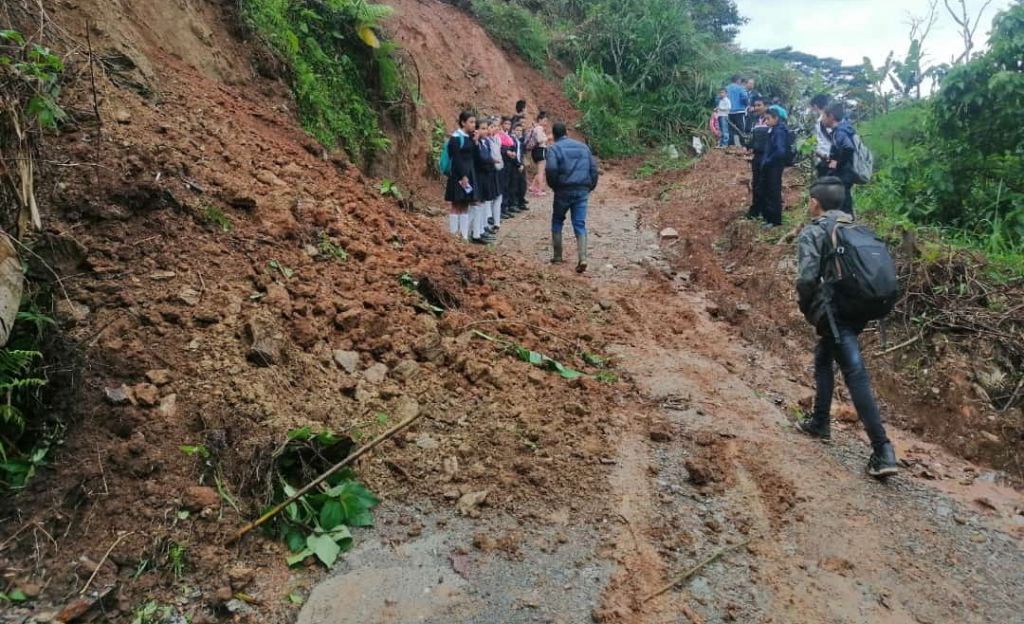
756	199
572	202
517	189
848	202
847	353
739	124
771	194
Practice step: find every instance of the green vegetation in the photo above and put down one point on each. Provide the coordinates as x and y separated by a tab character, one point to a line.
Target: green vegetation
956	162
317	524
329	249
389	188
216	217
516	28
340	69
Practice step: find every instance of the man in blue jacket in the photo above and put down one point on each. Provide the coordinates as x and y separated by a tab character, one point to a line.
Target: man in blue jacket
840	162
740	100
572	174
776	157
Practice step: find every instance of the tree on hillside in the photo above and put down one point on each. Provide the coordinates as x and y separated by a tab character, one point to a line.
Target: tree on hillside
968	26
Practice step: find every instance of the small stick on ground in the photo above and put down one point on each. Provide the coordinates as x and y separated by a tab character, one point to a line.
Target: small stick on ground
695	569
901	345
317	481
120	538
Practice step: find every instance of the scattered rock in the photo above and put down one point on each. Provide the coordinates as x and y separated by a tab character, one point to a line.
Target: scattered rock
240	577
268	178
189	296
347	360
278	297
470	502
669	234
223	595
159	377
146	394
376	373
121	395
660	433
122	116
72	312
427	442
484	542
265	347
606	304
406	370
406	407
162	276
168	406
700	471
75	609
199	497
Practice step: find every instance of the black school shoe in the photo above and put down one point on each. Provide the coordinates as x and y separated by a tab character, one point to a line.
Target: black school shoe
816	430
883	462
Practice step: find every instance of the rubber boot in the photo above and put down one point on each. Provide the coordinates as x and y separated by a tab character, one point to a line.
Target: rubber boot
556	246
581	251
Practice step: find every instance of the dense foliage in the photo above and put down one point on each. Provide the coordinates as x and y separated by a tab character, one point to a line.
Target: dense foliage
960	161
644	72
341	73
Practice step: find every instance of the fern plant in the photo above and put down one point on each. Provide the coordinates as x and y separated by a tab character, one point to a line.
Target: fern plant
14	366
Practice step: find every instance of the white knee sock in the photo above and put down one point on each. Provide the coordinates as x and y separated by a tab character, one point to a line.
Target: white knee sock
464	225
480	220
496	210
453	223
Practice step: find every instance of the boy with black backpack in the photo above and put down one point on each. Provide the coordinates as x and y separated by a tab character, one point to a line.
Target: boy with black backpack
846	278
845	148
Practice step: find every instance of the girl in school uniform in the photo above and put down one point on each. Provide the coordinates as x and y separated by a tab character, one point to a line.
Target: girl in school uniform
486	185
462	183
537	144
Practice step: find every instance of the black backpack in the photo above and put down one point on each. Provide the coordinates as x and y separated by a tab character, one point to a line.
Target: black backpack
791	153
859	272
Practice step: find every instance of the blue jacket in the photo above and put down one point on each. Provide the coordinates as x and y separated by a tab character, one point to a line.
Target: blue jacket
739	97
778	146
570	165
843	150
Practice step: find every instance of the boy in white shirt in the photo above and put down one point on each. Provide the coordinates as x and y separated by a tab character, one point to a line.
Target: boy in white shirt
723	110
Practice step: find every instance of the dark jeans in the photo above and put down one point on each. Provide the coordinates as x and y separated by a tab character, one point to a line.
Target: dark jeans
756	203
847	353
771	194
848	202
739	123
573	202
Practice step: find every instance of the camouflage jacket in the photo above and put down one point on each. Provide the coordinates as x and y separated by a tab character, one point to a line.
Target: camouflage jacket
812	245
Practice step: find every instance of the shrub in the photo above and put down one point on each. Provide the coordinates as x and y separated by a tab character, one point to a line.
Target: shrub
516	28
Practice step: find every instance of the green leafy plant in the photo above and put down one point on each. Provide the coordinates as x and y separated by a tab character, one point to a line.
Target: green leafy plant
152	613
215	216
438	142
516	28
389	188
330	249
317	524
177	556
197	450
340	68
15	595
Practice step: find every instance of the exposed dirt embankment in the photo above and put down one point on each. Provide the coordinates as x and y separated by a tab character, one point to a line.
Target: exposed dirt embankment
197	237
933	387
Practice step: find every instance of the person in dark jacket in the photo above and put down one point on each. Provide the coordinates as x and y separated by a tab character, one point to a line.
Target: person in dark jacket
840	163
572	174
740	101
461	184
813	249
773	164
758	143
512	154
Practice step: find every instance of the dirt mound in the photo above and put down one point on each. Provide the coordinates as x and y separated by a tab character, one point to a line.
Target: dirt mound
232	284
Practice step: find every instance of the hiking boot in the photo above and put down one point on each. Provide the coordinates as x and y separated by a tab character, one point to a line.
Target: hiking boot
481	241
883	462
815	429
556	246
505	214
581	252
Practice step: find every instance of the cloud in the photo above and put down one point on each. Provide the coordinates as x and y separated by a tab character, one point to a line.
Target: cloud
852	29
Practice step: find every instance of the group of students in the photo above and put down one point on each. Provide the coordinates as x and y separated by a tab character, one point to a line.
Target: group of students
485	160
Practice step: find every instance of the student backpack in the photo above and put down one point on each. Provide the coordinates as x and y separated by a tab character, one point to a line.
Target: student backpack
444	163
859	273
791	153
863	163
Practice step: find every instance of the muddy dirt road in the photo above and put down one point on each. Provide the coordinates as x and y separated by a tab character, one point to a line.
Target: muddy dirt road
706	459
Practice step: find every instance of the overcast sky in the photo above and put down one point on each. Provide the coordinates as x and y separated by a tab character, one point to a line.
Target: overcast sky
852	29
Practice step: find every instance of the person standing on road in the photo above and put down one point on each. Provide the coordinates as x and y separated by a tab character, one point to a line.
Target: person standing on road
722	113
537	145
840	163
739	99
823	148
752	94
773	164
814	245
461	184
572	174
520	115
758	143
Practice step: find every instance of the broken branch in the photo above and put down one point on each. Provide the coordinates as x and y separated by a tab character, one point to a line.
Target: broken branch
695	569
